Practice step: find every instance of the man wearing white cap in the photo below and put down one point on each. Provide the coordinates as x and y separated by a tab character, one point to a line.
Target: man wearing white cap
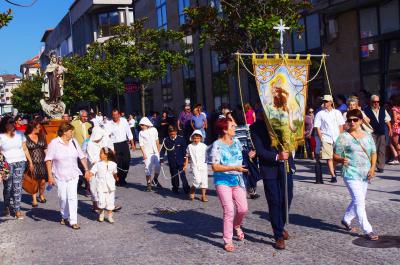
121	135
150	146
329	124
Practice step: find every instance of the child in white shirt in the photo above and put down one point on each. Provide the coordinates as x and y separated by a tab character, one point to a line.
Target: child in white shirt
105	174
196	152
150	146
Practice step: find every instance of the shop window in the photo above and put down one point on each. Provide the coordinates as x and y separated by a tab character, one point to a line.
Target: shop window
389	16
368	22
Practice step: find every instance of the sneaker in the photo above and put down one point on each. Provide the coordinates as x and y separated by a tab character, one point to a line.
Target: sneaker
101	216
6	211
110	219
333	180
394	162
19	215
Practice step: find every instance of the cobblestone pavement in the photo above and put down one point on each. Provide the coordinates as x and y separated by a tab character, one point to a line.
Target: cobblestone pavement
146	232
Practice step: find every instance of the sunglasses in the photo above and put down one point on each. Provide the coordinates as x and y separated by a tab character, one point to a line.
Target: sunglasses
353	120
375	101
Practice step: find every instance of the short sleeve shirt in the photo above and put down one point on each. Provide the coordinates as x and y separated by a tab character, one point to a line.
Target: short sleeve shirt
328	122
359	162
104	173
147	140
227	155
12	147
199	121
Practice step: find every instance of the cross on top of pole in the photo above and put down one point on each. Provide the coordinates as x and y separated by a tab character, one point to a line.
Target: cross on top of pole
281	28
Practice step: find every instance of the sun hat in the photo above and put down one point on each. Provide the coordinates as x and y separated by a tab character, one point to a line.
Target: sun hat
196	132
145	121
327	98
97	133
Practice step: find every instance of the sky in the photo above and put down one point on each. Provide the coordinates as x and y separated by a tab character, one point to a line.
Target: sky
20	40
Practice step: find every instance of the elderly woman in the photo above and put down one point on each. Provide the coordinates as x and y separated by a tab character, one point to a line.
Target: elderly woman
37	146
356	150
226	159
352	103
62	168
13	148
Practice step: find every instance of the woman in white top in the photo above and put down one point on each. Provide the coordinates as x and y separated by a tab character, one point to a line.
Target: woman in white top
150	146
13	147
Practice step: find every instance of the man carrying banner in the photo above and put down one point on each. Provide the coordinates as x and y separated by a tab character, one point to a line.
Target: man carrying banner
272	169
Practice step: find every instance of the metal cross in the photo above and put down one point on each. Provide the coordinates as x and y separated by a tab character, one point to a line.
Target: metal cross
281	28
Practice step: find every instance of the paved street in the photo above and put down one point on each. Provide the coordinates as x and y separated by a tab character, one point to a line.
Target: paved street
148	231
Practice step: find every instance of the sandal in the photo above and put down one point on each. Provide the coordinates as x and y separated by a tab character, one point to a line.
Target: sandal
63	221
42	200
34	205
75	227
372	236
239	234
229	247
346	226
204	199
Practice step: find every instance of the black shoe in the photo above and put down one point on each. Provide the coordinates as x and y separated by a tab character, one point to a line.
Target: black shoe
333	180
379	170
319	182
175	191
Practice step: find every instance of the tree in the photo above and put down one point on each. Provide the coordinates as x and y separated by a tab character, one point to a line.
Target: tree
5	18
133	52
243	25
26	97
149	53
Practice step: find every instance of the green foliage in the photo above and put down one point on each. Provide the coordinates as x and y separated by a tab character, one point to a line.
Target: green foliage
26	97
243	25
5	18
134	51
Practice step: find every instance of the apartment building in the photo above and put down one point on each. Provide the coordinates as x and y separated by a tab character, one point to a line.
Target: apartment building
8	82
30	67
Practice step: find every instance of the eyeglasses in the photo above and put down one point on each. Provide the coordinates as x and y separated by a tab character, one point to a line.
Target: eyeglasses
376	101
311	112
353	120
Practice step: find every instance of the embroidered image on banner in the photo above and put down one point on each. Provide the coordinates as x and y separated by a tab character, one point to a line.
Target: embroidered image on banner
282	87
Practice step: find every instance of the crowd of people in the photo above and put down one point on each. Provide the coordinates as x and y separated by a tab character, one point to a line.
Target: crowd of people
95	152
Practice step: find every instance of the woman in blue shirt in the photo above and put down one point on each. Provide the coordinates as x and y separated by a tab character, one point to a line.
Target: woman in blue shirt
225	156
356	150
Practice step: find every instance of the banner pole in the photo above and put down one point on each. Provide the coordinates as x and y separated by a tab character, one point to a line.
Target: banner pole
286	192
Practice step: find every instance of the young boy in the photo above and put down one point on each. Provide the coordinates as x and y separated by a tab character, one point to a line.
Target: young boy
196	152
175	146
150	147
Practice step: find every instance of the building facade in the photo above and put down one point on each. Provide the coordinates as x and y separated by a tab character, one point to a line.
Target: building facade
30	67
7	84
363	40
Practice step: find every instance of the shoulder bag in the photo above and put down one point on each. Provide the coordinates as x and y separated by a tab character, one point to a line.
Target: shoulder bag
30	183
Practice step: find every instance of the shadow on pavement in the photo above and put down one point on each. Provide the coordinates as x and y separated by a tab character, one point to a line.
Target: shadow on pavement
306	221
200	226
383	242
40	214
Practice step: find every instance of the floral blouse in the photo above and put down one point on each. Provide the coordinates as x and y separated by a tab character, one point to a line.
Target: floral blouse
359	162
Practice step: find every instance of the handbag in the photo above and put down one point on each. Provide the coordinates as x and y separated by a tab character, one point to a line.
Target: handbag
4	168
30	183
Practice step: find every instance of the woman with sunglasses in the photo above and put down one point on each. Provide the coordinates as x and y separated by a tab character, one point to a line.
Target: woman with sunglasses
356	150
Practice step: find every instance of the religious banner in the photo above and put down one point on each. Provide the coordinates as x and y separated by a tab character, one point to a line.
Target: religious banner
282	87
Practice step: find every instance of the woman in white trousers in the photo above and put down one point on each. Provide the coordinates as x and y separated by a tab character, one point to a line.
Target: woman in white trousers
62	167
356	150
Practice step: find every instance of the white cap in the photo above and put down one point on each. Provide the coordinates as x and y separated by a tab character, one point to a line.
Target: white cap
145	121
97	133
196	132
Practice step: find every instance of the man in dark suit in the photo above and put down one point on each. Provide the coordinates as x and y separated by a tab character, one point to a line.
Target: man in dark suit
272	170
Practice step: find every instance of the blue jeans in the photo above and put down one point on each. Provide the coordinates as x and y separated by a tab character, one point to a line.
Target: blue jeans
12	191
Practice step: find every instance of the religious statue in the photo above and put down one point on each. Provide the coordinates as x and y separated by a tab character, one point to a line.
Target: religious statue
52	87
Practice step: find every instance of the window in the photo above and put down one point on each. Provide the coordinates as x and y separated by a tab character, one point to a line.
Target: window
299	40
313	32
182	4
394	55
189	69
161	14
389	16
106	23
216	64
166	89
188	40
216	4
368	22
